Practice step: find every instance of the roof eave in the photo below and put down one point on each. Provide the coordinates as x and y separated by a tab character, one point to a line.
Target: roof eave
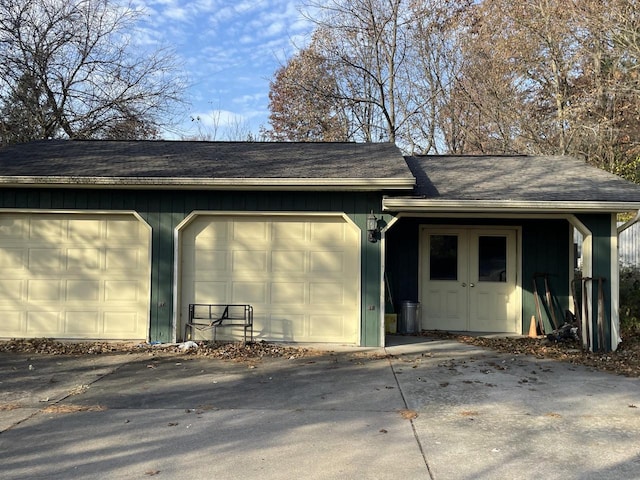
160	183
422	205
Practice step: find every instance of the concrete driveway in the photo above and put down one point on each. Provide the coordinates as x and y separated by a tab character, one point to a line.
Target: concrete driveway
433	409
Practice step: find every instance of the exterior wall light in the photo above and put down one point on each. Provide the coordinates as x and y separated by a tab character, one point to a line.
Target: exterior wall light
372	227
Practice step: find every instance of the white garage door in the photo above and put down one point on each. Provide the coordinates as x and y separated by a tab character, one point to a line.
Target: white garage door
74	276
300	274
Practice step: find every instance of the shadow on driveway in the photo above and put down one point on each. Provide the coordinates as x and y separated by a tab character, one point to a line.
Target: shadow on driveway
347	413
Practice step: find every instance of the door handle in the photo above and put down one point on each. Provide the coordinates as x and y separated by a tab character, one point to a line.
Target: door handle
472	284
464	284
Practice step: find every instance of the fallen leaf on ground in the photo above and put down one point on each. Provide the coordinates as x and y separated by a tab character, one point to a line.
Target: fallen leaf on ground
79	390
408	414
624	361
222	350
73	408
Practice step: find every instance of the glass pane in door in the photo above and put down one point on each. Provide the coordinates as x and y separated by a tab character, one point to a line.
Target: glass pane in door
443	257
492	259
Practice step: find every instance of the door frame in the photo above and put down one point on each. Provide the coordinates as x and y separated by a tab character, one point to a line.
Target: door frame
423	256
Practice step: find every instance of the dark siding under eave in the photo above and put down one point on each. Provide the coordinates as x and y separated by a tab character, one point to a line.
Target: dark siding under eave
402	262
545	249
164	210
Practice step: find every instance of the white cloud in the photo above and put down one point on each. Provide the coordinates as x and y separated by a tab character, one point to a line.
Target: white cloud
230	51
218	118
276	28
247	40
177	13
243	99
245	6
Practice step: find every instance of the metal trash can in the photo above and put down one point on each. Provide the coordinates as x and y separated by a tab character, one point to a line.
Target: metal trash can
409	318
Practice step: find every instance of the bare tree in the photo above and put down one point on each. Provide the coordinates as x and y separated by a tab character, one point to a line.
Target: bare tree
552	77
475	76
69	67
380	68
215	126
364	43
519	65
435	63
609	126
393	65
239	129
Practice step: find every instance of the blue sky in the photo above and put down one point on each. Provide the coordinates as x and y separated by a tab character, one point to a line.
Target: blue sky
230	50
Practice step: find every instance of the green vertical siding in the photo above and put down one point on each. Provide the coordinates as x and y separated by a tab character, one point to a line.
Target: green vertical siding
600	227
370	328
545	249
164	210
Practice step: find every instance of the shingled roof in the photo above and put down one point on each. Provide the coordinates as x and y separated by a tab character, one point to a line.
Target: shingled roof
174	164
444	183
502	182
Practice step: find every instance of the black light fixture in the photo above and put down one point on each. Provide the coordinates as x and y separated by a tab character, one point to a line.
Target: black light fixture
372	227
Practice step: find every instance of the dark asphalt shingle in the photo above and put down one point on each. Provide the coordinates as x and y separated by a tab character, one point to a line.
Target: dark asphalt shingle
517	178
219	160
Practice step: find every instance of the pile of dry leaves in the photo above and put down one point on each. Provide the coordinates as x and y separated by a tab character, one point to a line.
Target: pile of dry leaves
230	351
624	361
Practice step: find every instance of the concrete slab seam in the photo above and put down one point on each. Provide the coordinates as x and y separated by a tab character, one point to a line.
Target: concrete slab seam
413	427
57	402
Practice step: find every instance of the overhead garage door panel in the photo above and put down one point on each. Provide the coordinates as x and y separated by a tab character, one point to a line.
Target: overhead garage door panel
301	274
75	276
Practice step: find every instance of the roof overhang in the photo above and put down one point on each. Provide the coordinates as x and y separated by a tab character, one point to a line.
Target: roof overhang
159	183
424	205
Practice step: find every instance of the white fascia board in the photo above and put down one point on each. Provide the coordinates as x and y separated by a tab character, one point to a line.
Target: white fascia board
416	205
321	184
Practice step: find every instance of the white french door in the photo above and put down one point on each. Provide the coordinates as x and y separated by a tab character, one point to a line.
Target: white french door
468	279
